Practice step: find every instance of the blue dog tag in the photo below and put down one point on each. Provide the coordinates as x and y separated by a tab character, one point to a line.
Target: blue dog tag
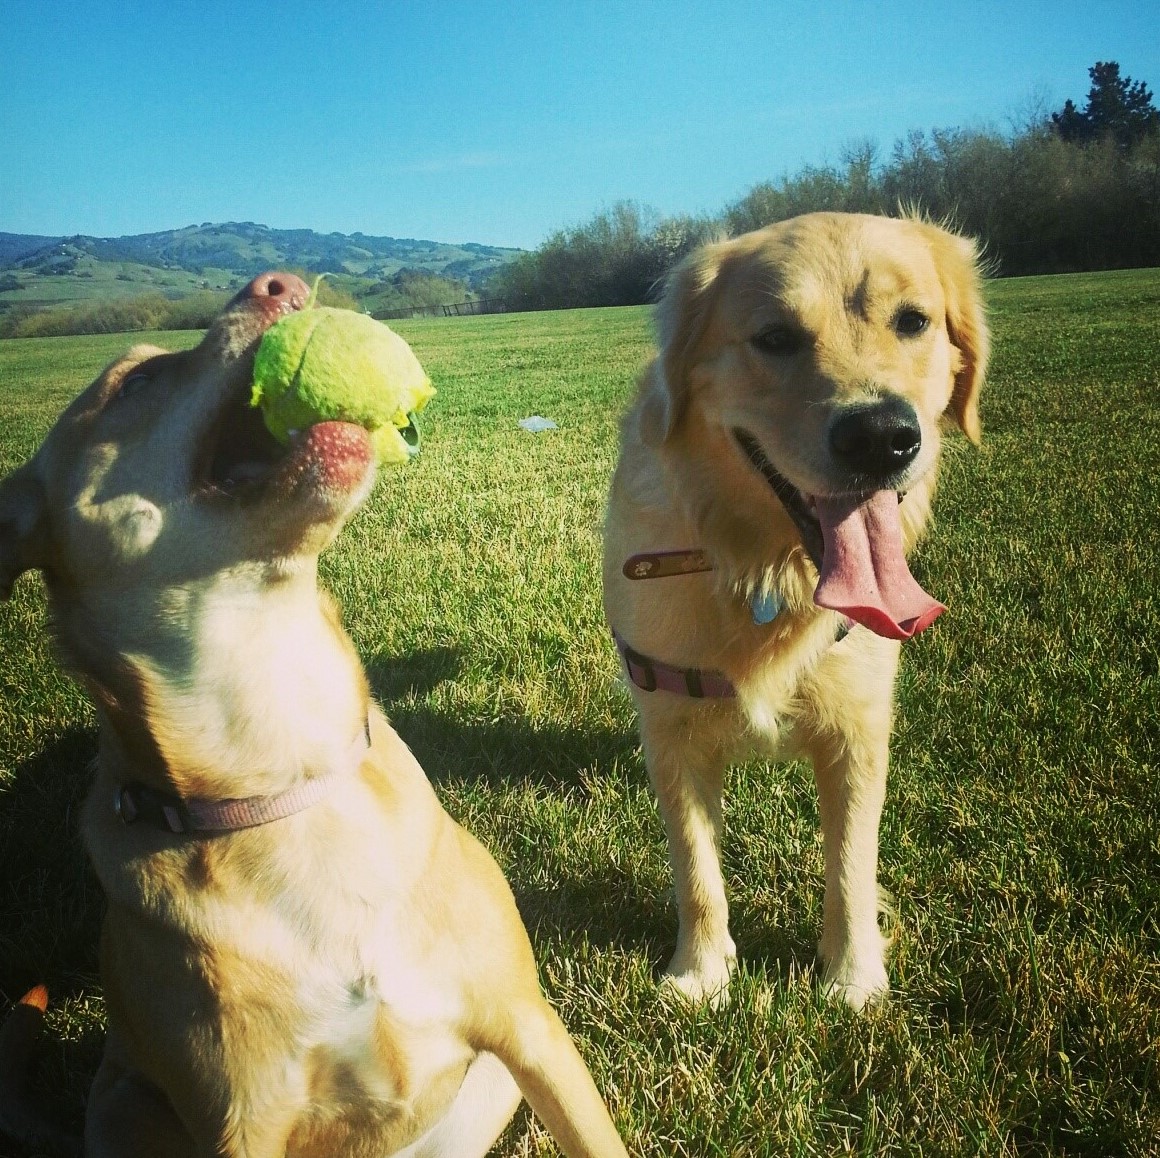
766	606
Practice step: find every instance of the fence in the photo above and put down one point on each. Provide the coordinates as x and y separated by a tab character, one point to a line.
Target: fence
454	310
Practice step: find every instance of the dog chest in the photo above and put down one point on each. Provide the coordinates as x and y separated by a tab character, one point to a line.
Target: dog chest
384	1048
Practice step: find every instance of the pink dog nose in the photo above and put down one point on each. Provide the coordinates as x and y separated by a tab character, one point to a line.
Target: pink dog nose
280	292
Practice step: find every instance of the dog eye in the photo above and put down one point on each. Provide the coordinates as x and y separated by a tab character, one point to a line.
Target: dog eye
909	323
780	341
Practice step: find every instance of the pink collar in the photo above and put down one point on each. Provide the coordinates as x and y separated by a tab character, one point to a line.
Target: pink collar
651	675
170	813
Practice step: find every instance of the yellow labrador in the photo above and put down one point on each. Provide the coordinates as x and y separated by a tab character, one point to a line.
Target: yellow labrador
303	955
777	465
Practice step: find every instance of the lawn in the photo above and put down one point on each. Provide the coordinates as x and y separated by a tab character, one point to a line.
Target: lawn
1021	838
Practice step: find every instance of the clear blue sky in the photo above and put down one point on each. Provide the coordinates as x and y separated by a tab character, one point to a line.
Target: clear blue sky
468	120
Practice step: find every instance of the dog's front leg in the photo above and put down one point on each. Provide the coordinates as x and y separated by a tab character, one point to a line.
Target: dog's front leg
555	1081
128	1118
850	772
686	765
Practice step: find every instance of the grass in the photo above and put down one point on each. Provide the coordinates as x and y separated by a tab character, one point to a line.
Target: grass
1021	838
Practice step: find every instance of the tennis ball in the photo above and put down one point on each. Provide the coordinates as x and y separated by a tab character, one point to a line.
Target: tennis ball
325	363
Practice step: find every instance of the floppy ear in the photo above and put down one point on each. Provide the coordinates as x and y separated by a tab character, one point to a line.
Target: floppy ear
22	510
682	316
957	261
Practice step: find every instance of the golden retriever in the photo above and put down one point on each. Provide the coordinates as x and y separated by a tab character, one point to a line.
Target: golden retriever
302	955
778	463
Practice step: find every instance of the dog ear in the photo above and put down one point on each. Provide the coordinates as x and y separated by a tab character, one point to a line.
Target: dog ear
682	316
22	515
959	270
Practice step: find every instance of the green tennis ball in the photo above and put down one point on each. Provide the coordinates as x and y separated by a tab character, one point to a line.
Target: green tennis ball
322	364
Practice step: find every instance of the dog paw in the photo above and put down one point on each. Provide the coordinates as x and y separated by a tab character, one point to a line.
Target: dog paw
705	982
857	986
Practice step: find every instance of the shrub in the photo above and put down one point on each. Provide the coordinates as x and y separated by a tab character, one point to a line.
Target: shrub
147	312
1039	203
617	258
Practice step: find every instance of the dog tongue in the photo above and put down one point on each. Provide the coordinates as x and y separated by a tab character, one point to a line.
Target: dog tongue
864	572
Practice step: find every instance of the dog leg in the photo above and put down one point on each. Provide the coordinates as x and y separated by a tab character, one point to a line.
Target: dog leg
687	779
851	782
128	1118
484	1105
556	1082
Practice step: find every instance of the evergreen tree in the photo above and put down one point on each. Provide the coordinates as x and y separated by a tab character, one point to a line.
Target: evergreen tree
1116	106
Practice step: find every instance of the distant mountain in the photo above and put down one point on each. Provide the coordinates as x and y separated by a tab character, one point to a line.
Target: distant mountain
14	246
242	249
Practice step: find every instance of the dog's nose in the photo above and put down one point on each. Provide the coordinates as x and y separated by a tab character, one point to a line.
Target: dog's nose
276	291
878	439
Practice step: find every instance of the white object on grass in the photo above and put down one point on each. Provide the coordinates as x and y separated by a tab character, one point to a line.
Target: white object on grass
535	424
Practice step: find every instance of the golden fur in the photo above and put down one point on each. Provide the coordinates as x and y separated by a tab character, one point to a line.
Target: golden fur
835	283
354	979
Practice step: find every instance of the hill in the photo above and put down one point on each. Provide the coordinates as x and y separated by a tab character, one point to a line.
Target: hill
40	271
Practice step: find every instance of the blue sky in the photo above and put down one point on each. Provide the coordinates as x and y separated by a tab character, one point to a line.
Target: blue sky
467	120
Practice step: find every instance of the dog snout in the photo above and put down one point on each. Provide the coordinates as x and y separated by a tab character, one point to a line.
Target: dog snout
877	440
280	293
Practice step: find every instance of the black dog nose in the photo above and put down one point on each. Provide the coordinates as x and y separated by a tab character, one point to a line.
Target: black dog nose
878	439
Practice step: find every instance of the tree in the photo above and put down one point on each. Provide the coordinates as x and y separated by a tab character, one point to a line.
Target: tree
617	258
1116	106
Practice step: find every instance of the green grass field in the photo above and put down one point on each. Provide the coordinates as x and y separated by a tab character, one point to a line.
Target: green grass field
1021	838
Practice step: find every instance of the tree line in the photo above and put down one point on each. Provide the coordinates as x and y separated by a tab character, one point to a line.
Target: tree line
196	311
1075	190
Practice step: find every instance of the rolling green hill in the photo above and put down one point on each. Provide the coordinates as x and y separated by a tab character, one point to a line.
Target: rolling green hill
45	271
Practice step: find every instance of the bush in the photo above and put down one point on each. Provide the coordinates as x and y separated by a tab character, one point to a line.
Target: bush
148	312
416	289
328	292
1040	204
195	312
854	188
618	258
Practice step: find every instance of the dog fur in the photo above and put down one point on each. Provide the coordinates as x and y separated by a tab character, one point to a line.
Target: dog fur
778	333
354	979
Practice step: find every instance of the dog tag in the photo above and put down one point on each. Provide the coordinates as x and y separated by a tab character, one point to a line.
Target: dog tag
766	606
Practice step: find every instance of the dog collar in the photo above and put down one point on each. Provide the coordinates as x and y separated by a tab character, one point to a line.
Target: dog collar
662	564
652	675
764	606
172	813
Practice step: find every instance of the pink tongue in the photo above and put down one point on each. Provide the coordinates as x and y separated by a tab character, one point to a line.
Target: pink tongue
864	572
